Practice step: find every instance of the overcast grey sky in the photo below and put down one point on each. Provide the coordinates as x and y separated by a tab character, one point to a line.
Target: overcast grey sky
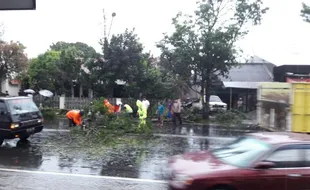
283	38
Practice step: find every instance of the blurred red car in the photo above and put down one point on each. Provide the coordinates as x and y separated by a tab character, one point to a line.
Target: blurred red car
259	161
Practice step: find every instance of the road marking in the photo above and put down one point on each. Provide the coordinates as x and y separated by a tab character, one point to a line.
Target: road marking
194	136
85	176
56	130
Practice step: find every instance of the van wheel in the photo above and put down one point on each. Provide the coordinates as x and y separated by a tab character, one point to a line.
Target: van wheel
24	138
1	141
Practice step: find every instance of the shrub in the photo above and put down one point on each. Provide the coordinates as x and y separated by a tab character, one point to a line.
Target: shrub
48	113
230	116
98	106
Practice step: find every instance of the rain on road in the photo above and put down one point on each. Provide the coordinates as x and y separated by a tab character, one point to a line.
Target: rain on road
48	162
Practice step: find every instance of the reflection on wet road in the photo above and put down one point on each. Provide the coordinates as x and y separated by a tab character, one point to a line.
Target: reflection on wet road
49	152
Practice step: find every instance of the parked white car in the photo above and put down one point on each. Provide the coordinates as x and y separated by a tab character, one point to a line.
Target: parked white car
215	104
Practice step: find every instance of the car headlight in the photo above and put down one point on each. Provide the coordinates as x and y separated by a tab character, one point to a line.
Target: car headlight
182	180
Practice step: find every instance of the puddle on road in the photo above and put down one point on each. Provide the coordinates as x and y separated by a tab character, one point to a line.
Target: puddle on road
48	151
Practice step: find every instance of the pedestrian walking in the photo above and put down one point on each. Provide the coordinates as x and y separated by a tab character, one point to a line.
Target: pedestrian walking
176	111
169	106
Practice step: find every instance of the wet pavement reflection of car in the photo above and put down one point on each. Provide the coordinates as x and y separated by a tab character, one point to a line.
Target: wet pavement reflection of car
257	161
21	154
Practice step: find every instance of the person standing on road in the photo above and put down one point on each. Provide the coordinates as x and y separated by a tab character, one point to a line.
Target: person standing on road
142	113
146	103
160	111
240	104
176	111
169	106
75	117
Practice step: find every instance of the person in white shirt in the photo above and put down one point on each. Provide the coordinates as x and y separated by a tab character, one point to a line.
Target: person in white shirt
176	111
146	103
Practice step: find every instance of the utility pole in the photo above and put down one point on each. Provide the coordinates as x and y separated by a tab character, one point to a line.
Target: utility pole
104	25
113	15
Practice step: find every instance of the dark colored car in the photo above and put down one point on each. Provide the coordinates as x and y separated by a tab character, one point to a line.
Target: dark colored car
19	118
259	161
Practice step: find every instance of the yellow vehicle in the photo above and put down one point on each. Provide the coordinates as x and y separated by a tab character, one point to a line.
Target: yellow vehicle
284	106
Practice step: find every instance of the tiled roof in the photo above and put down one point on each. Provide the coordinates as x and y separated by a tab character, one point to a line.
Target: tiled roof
252	71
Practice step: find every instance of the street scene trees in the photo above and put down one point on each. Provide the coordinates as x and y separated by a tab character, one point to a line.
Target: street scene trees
203	44
165	95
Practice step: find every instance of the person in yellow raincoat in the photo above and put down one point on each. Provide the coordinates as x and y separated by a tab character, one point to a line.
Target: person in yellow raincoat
142	112
109	106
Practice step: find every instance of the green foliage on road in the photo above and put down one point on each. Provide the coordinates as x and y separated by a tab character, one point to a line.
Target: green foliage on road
105	127
230	117
203	45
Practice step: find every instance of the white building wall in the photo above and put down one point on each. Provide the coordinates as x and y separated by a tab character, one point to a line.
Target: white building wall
12	89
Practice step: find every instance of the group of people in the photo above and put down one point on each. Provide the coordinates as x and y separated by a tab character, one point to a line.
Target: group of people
174	111
117	108
75	116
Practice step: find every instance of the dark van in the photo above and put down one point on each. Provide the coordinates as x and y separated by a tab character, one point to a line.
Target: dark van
19	118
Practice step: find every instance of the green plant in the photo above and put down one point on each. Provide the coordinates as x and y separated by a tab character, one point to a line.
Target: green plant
194	115
98	106
230	116
48	113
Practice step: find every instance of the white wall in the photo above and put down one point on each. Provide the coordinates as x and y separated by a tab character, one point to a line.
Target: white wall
12	89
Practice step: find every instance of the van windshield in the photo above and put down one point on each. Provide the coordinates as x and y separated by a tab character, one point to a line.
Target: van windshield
20	106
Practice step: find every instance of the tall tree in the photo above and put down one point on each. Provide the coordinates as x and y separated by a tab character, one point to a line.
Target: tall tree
70	68
122	60
204	43
12	59
85	53
43	71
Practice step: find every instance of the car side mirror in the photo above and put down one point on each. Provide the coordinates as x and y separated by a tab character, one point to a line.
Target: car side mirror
264	165
3	113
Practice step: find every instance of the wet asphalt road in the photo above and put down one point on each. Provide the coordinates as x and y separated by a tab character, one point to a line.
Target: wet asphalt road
48	161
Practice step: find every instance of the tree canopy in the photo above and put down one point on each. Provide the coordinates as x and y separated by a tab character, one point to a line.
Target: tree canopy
305	12
12	59
60	68
203	45
43	70
124	60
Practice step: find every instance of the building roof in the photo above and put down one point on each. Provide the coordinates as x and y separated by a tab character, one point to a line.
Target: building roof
251	72
248	75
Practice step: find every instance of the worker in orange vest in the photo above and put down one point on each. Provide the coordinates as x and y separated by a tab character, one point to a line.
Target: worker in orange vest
75	117
109	106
